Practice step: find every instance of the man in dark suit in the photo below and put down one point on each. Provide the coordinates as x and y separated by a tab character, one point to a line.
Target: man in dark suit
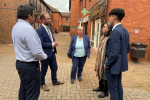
117	49
49	46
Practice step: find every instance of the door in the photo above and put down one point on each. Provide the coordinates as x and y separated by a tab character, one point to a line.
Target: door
97	33
86	28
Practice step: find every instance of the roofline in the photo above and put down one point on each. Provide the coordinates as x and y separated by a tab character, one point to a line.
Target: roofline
57	12
45	4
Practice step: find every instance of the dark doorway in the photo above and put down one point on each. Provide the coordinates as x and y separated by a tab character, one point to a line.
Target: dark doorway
86	28
66	28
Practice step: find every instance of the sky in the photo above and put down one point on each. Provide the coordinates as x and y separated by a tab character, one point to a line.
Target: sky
61	5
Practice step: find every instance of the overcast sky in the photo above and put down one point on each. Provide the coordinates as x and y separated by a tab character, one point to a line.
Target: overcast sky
61	5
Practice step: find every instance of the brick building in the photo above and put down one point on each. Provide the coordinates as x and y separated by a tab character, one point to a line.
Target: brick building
136	20
65	25
56	19
8	18
60	20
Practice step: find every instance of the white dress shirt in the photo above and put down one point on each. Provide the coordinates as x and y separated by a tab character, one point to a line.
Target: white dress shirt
115	26
46	28
27	44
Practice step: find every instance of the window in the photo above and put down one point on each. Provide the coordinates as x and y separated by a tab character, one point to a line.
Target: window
66	20
43	7
40	4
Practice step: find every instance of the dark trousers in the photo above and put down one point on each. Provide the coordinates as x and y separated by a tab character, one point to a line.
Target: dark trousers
103	85
29	74
78	62
53	66
114	85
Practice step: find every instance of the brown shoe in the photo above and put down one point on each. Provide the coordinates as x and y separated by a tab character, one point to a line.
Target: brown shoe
44	87
58	83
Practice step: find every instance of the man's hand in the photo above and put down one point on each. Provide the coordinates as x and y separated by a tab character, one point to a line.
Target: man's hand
69	57
55	43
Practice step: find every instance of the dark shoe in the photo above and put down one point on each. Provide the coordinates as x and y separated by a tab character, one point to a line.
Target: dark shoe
79	79
98	89
58	83
44	87
102	95
72	81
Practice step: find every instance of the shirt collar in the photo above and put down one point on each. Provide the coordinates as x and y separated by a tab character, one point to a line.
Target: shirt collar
115	26
45	26
21	20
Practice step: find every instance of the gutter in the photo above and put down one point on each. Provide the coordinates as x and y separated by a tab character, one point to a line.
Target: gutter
107	4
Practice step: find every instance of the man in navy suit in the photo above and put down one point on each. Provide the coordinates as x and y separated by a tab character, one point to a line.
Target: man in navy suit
117	48
49	46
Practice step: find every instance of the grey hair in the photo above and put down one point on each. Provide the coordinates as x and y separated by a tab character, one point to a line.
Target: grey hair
79	27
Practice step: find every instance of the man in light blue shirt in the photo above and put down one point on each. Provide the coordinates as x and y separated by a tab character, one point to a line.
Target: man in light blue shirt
28	51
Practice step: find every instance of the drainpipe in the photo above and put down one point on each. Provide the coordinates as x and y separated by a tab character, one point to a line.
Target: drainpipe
107	4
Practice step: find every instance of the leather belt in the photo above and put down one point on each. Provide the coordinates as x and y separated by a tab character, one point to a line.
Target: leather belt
29	62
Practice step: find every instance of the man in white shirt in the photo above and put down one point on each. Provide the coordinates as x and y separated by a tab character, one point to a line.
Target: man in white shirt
28	51
49	46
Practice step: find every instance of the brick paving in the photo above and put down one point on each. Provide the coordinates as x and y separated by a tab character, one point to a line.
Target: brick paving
136	81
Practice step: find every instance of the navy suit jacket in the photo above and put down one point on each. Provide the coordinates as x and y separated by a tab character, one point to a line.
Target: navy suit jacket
46	41
117	48
86	42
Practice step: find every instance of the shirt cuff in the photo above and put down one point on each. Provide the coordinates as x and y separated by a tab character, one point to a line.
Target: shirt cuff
105	66
53	45
45	56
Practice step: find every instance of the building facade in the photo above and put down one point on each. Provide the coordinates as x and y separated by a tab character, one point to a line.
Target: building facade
8	18
56	19
92	14
65	24
60	20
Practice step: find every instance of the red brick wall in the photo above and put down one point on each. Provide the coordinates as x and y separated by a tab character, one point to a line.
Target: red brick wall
91	3
137	17
8	18
75	13
63	20
56	20
76	7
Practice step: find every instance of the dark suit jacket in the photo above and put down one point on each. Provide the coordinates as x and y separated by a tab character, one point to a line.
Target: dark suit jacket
86	42
45	40
117	48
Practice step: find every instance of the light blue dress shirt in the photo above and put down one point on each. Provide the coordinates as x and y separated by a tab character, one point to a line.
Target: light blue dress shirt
79	48
27	44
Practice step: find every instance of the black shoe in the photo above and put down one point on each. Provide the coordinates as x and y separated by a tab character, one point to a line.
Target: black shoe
102	95
72	81
79	79
98	89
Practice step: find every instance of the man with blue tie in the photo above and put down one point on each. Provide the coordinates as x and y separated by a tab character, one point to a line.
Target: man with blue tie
118	46
28	51
49	46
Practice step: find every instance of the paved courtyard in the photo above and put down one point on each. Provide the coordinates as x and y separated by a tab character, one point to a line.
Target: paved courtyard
136	81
